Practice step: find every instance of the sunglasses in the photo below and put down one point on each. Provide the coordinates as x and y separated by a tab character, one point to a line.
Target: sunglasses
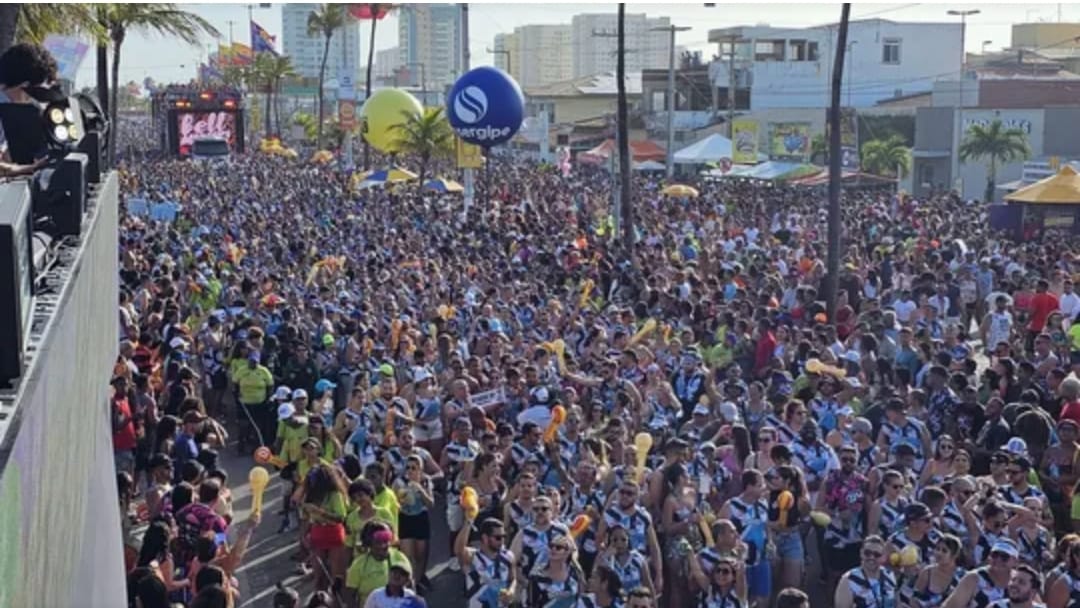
560	548
895	486
627	492
725	572
870	553
498	537
766	439
1001	555
541	509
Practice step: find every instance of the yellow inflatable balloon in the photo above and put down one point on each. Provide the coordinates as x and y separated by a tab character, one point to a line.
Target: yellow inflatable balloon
382	113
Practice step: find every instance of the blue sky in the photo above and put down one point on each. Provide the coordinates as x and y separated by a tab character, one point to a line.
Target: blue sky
168	61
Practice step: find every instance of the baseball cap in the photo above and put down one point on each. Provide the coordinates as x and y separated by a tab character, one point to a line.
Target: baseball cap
299	394
420	375
729	411
283	393
1005	546
285	411
177	342
701	409
402	565
324	385
862	425
255	356
159	460
386	369
1016	446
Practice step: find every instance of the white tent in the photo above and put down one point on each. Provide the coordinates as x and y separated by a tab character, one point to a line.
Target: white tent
648	165
709	150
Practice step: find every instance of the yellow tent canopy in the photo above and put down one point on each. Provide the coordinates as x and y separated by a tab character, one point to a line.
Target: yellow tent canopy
1060	189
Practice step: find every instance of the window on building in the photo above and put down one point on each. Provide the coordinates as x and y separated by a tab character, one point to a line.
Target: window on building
890	51
812	53
769	50
798	50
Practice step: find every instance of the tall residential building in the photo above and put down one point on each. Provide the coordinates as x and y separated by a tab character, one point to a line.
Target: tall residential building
430	39
387	62
548	51
307	51
594	43
508	54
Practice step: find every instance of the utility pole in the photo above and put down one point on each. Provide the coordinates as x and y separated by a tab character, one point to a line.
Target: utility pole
614	163
673	29
469	178
231	23
509	64
624	142
731	91
963	14
832	275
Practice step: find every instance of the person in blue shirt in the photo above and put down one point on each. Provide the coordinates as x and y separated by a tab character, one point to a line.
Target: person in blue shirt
185	447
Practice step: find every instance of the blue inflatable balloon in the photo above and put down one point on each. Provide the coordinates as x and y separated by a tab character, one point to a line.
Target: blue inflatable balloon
485	107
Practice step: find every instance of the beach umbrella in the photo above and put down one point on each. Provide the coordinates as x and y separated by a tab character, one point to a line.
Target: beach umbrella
382	176
443	185
680	191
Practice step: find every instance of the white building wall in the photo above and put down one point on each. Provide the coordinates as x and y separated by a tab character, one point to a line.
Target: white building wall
387	61
594	54
430	34
926	52
544	54
306	51
973	174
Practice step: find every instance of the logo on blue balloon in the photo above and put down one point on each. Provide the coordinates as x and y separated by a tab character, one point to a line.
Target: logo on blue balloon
485	107
471	104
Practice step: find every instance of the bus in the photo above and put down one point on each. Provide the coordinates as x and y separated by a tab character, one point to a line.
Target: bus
212	148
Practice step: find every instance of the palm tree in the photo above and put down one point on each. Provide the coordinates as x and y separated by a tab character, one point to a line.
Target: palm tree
889	156
625	204
427	136
832	276
162	18
373	12
996	144
33	21
278	68
325	20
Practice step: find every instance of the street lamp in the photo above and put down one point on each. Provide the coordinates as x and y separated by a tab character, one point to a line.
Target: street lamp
509	66
673	29
963	31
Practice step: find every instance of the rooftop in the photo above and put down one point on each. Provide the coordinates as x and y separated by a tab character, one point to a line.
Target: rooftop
603	84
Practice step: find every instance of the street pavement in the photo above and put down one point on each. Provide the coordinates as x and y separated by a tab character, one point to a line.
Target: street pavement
268	560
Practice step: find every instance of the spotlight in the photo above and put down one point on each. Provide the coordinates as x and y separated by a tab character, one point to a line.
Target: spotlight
229	103
206	96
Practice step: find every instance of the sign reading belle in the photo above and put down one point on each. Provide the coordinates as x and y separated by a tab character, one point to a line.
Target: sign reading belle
485	107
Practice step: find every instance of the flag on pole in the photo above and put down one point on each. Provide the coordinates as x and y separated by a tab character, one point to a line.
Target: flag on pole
242	54
224	55
261	40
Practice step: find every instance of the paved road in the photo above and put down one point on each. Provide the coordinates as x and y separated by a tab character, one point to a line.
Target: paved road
268	559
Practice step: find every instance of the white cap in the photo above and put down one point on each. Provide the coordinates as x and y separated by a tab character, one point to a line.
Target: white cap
299	394
285	411
853	356
283	393
702	409
421	374
177	342
1017	446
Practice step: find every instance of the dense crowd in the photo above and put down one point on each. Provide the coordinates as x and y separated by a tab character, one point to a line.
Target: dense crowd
680	423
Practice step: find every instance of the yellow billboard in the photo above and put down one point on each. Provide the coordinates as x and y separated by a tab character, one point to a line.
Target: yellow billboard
789	141
744	142
469	156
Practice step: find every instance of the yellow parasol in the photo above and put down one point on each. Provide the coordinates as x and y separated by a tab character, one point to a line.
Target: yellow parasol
680	191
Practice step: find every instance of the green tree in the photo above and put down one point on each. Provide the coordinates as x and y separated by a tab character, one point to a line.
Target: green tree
33	21
307	121
885	156
427	136
278	69
995	144
374	12
325	20
117	20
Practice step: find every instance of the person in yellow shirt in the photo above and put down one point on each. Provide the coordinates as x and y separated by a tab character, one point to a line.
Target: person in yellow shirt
364	511
370	569
254	384
291	432
324	507
384	496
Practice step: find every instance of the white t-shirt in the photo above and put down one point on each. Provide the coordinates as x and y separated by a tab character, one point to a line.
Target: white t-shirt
379	599
1069	303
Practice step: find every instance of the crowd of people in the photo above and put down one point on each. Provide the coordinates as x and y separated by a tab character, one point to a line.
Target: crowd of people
676	423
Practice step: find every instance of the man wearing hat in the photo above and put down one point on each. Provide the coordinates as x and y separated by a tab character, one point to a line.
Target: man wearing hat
255	417
689	381
986	585
396	593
